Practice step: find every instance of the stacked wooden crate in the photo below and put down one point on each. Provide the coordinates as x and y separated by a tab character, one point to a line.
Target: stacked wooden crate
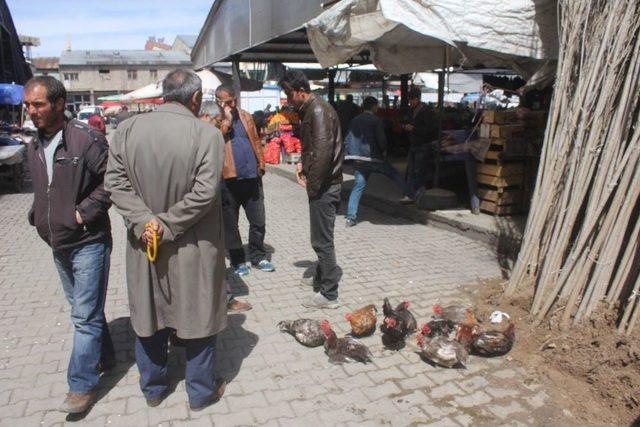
502	185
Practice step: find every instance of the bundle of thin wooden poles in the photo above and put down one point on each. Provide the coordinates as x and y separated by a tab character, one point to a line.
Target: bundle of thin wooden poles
581	244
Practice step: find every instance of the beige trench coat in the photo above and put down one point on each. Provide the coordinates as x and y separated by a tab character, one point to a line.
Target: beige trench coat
168	165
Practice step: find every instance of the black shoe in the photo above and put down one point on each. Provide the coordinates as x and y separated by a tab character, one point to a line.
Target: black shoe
155	401
350	222
220	385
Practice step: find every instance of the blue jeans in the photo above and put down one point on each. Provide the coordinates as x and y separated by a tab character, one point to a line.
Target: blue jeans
362	171
84	272
151	357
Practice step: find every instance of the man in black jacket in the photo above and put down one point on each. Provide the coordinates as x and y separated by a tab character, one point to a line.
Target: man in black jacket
422	128
67	163
320	172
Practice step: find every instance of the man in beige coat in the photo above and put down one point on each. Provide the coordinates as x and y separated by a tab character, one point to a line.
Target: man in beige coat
164	174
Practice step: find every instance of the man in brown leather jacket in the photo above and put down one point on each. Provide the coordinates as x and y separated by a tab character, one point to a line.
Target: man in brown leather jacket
242	173
320	171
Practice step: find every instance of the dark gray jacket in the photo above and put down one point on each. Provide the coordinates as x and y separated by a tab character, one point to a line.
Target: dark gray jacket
366	139
77	185
322	146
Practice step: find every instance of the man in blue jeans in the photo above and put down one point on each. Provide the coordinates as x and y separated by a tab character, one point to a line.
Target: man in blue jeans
67	163
366	144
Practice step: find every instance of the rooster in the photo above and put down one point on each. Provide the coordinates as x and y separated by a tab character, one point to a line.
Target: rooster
345	349
456	314
440	350
363	321
306	331
438	326
397	324
494	343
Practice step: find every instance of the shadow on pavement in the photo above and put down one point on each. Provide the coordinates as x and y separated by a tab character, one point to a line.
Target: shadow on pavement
235	344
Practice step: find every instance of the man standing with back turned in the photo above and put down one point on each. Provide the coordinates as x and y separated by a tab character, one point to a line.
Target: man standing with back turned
164	176
320	171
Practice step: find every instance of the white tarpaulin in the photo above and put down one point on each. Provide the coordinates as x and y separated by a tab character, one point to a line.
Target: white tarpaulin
404	36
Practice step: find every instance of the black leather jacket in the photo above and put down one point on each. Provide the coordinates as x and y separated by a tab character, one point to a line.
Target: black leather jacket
322	146
77	185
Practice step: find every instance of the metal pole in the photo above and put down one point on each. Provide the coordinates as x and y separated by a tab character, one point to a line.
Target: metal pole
404	90
332	87
235	78
441	78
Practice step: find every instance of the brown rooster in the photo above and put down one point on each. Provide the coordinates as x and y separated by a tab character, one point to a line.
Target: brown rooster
345	349
493	343
456	314
363	321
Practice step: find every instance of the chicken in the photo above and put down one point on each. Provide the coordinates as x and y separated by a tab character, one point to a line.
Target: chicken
306	331
363	321
397	324
441	350
493	343
345	349
456	314
438	326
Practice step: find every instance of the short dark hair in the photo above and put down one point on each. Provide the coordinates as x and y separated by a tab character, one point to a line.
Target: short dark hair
369	102
180	85
294	80
350	98
227	88
415	93
55	88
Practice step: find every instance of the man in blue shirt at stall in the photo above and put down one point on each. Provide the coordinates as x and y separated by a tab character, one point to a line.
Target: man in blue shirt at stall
242	173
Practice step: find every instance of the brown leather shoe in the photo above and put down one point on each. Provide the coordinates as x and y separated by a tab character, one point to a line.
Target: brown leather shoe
236	306
221	385
77	403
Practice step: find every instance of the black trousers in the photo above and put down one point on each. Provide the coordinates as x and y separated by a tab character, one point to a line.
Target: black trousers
322	218
248	194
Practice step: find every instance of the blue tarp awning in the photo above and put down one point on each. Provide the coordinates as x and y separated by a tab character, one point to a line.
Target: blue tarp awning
11	94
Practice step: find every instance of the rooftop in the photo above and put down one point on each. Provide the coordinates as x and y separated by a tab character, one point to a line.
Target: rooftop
124	57
188	39
46	62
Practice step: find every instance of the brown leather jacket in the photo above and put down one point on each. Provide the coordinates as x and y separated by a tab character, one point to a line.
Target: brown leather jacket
229	168
322	146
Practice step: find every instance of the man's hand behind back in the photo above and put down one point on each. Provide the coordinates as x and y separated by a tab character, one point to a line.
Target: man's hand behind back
152	225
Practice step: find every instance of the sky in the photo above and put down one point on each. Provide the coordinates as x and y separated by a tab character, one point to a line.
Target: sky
106	24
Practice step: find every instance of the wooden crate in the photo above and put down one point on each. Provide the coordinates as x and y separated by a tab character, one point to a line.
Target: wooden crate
499	116
506	131
499	181
501	196
491	207
501	169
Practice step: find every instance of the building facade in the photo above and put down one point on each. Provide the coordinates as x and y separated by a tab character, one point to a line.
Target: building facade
88	75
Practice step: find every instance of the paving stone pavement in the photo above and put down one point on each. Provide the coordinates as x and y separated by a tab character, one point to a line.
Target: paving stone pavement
273	380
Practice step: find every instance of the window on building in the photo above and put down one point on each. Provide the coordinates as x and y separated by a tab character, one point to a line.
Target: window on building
71	76
153	74
104	71
132	74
